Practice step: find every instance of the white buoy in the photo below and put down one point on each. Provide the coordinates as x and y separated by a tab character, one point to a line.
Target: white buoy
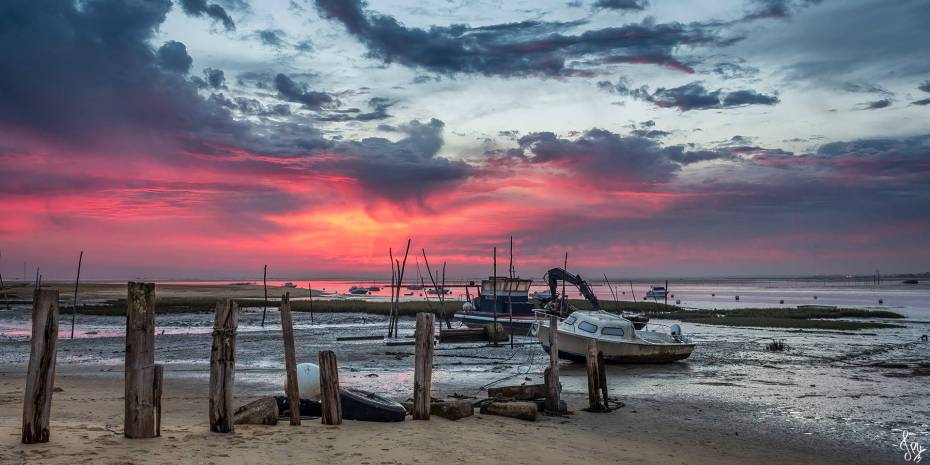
308	381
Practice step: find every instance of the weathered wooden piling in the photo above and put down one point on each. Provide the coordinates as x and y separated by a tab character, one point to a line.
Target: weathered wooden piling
330	402
40	375
158	389
290	358
602	373
423	367
223	366
552	378
594	379
139	419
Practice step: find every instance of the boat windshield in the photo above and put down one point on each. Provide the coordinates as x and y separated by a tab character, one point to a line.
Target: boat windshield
505	285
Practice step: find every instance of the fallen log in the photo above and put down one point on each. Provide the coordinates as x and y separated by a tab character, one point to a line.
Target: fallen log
453	409
263	411
463	335
524	392
519	410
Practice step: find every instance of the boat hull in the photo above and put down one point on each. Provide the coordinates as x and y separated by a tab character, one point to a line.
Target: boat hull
520	326
573	347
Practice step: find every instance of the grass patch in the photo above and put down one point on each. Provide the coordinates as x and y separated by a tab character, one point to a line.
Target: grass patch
776	346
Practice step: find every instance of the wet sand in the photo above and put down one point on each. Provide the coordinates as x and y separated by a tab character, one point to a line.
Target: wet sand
87	417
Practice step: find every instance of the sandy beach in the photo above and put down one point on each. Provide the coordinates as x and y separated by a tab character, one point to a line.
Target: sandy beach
87	424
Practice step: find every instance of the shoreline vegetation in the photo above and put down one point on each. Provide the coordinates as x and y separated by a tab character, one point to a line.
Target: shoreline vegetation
814	318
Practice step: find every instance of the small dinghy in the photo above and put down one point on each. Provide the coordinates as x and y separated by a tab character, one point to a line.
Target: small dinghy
616	337
356	404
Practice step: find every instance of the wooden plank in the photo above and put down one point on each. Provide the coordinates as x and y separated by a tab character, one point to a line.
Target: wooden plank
359	338
223	366
40	374
423	367
552	380
139	419
330	402
290	358
463	335
159	388
594	378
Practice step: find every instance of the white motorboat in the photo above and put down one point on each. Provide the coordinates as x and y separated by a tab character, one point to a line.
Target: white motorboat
616	338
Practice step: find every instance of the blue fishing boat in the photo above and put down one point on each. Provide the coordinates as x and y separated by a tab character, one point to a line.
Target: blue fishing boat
513	308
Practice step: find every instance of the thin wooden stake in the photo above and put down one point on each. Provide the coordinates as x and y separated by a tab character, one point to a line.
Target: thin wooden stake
40	375
423	367
330	402
494	283
223	366
265	285
552	380
310	300
6	297
290	359
158	389
74	305
509	292
140	361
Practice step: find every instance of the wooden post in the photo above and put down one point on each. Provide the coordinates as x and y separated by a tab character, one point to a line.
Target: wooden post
40	375
140	361
423	367
594	379
290	358
76	281
159	387
602	373
552	381
223	366
330	403
265	303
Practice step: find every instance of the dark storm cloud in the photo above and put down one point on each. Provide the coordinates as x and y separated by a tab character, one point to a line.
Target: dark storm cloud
201	8
298	93
271	37
99	74
386	168
776	9
173	56
517	49
215	78
925	86
603	157
925	101
876	104
734	69
379	111
622	4
691	96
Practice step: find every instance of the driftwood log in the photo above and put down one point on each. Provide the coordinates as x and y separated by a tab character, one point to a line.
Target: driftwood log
423	367
520	410
223	366
453	409
263	411
524	392
140	361
330	402
40	374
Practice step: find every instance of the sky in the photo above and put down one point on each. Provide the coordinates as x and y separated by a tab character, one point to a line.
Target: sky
206	138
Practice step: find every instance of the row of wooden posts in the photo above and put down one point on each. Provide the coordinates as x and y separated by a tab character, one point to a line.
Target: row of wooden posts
144	379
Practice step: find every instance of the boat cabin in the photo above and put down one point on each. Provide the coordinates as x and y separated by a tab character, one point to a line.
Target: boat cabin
598	325
510	293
